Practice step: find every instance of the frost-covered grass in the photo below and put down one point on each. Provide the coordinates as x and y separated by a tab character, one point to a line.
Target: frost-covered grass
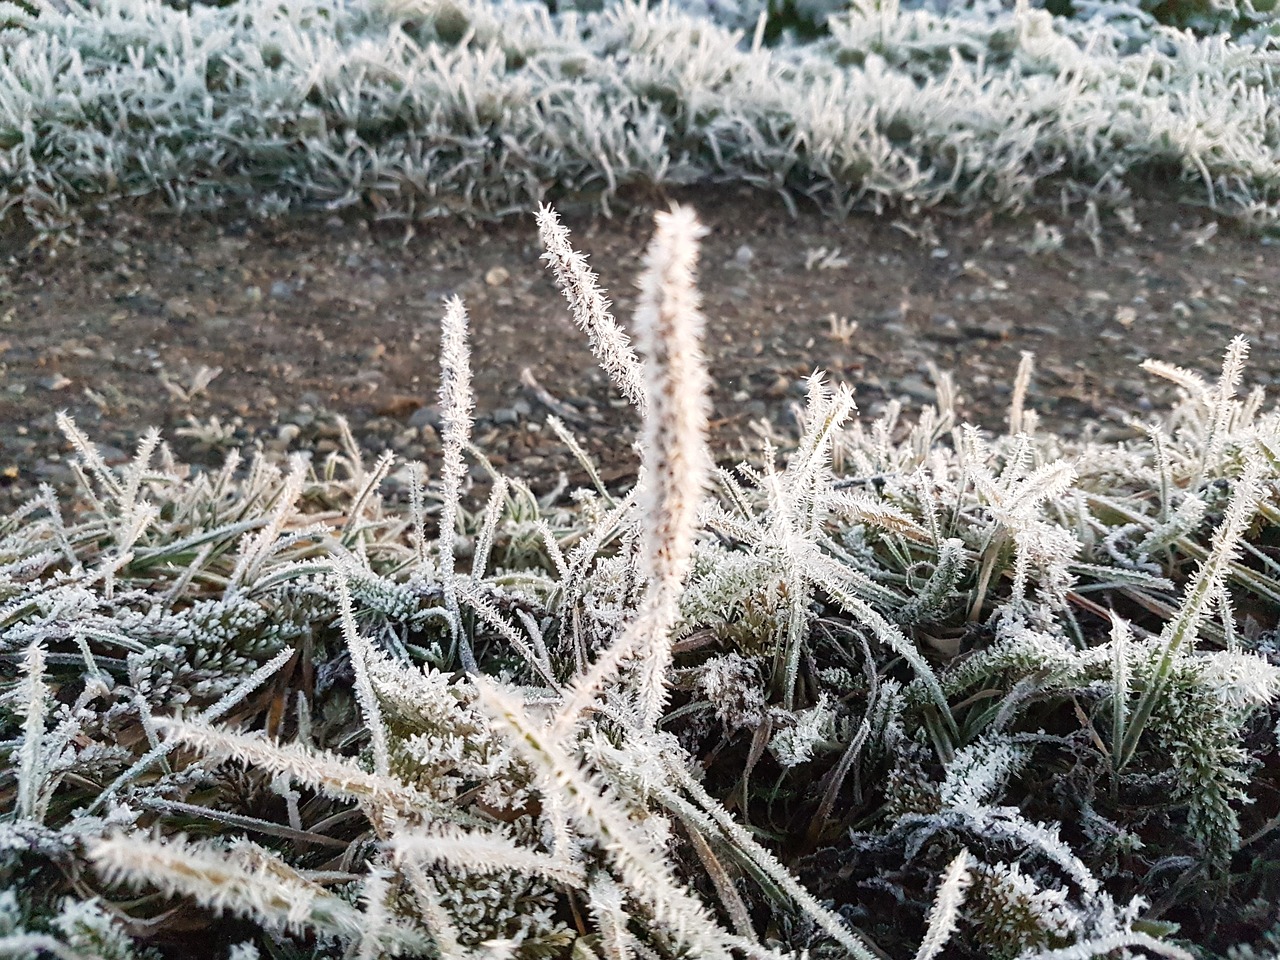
900	689
437	107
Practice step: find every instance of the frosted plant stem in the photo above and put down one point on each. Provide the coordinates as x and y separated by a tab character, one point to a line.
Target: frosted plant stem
676	464
438	920
591	310
1020	384
456	401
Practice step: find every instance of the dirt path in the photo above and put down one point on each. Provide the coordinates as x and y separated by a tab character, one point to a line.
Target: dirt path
308	318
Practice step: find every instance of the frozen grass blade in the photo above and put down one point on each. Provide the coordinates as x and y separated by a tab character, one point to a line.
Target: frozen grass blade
764	860
335	777
212	715
250	883
35	696
1208	584
1107	945
477	853
361	652
945	913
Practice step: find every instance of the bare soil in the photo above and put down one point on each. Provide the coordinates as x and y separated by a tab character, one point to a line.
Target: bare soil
312	317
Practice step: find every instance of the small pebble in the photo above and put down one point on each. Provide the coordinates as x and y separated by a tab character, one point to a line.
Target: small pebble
915	388
179	308
992	329
945	328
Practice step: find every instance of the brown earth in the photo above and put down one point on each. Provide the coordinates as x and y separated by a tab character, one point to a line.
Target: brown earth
311	317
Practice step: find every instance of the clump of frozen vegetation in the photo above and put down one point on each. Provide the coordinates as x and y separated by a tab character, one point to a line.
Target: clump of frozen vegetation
425	108
904	689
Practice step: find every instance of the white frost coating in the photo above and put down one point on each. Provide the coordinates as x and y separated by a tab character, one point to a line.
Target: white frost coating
946	907
468	106
590	309
676	462
675	466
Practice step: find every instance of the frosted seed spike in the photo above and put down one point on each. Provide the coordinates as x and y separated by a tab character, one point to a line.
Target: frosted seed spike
1222	406
590	309
675	469
676	465
1020	384
456	402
